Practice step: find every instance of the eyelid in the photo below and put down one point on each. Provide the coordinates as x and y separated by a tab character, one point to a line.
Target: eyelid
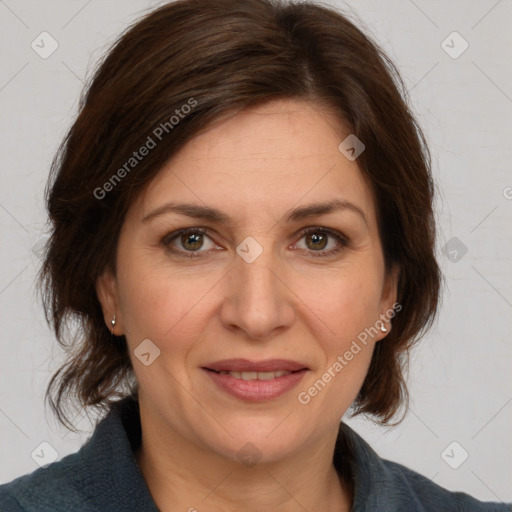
342	239
170	237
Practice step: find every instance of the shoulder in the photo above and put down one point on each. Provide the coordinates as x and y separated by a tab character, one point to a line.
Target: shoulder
387	486
102	475
410	486
7	502
55	487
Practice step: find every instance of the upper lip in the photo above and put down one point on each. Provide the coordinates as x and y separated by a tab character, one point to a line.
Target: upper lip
245	365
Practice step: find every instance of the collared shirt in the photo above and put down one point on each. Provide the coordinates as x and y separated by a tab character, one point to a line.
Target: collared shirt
104	476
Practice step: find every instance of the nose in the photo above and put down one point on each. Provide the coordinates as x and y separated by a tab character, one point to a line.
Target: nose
258	300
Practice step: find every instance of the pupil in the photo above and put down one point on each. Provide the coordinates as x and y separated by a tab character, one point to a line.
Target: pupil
194	238
315	238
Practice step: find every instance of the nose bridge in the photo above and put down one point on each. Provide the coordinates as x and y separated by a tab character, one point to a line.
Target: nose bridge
257	282
257	300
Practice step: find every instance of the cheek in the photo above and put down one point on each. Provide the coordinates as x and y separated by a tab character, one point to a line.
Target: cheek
347	301
157	302
349	308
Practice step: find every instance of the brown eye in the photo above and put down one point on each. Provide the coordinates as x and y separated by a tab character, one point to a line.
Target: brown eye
188	242
317	239
192	241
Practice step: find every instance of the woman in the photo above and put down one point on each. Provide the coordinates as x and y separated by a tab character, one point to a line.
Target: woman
243	226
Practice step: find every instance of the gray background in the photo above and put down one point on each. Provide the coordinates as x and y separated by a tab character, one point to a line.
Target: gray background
460	374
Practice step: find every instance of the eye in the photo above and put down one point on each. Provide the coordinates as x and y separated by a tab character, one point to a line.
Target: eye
188	241
317	239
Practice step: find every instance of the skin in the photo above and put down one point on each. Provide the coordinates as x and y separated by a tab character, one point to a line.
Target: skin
288	303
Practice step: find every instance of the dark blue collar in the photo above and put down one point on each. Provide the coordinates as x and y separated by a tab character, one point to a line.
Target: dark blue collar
104	476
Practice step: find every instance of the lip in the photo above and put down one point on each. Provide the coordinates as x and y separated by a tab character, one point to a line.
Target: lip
245	365
255	390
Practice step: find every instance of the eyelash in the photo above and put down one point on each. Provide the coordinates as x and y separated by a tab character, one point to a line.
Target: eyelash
170	237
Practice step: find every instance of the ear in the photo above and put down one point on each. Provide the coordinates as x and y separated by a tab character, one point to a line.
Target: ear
388	300
106	289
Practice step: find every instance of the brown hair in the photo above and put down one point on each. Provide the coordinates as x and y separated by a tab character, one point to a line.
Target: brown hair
222	57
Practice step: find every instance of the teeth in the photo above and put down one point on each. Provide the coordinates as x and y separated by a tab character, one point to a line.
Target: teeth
256	375
268	375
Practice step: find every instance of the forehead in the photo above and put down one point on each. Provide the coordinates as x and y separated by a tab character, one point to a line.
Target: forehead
268	158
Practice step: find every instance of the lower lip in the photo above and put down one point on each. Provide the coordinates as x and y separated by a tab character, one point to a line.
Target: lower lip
256	390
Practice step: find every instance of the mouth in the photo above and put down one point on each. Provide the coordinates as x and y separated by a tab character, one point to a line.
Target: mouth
255	381
247	366
255	375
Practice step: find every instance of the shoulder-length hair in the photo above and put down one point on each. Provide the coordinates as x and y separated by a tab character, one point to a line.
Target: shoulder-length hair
181	67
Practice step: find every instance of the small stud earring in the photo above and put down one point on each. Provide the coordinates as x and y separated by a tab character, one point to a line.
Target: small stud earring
383	327
113	323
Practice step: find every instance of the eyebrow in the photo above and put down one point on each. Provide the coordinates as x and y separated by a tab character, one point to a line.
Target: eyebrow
212	214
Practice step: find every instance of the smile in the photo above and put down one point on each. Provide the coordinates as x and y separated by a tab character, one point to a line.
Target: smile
255	386
256	375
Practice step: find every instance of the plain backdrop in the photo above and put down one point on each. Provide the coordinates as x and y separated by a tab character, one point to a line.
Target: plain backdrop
460	375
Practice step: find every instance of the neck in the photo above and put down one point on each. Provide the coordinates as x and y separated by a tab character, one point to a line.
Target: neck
184	476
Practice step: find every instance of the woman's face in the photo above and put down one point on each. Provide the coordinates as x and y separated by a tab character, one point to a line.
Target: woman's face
253	287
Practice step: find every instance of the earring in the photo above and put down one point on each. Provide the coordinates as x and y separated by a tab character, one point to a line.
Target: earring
383	327
113	323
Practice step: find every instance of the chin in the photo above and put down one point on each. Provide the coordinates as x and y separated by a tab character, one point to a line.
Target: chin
255	441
